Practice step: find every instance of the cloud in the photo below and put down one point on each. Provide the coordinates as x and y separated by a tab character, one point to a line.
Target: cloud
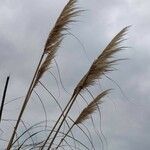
24	27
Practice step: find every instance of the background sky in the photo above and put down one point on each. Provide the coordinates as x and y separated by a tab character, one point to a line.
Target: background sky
24	27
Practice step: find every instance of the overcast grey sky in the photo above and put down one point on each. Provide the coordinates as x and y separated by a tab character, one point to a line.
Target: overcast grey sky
24	27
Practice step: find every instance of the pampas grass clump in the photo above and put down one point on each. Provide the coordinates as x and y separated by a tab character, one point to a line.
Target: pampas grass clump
101	66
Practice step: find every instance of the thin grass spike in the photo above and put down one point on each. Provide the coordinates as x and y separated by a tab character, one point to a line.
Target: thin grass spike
3	98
